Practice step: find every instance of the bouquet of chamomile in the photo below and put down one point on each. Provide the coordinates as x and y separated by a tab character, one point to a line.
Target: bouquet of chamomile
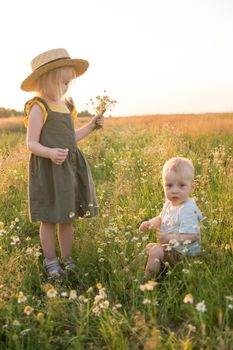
101	104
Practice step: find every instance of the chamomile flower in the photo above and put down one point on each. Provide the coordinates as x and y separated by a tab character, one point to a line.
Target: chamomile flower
191	328
146	301
52	293
187	241
28	310
73	294
40	317
201	307
71	214
174	243
188	299
149	286
104	304
14	240
21	298
83	299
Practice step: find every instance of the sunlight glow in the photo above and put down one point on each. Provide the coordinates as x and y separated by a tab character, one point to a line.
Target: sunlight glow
152	56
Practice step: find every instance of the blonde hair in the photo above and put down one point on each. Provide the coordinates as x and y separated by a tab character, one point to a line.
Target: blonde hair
178	165
51	82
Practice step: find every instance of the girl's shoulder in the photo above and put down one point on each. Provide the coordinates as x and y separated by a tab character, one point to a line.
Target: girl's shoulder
28	107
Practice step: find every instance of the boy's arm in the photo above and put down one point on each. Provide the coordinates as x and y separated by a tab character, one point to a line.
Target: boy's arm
179	237
152	224
155	223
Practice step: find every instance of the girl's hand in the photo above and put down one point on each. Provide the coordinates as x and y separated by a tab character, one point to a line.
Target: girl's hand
97	121
58	155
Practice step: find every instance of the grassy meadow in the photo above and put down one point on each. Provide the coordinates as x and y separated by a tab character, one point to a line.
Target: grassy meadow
108	304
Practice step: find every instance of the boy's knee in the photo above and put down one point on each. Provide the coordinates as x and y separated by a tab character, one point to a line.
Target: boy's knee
149	246
156	252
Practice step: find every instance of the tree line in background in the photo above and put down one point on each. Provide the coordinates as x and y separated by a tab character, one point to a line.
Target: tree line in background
7	112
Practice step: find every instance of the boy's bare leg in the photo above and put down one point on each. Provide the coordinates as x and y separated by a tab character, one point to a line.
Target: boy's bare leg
155	256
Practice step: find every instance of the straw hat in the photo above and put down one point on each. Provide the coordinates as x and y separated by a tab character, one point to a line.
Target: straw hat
50	60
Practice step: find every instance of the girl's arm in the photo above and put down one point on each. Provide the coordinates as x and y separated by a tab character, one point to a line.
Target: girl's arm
35	124
87	129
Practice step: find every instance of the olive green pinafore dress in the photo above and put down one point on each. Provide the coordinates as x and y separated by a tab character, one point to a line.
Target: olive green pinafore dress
60	193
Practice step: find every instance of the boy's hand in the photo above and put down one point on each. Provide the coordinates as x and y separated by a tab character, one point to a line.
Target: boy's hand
162	237
145	225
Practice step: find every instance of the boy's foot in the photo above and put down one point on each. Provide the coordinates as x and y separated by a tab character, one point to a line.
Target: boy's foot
68	264
53	268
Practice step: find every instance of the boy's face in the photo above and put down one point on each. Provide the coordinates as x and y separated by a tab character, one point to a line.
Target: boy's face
177	187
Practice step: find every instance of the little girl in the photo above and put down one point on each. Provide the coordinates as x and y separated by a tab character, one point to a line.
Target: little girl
178	224
60	182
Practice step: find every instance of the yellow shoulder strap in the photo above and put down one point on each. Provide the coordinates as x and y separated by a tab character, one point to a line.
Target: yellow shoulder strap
70	104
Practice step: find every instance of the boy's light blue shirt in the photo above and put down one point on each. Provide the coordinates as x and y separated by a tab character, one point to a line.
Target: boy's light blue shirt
185	219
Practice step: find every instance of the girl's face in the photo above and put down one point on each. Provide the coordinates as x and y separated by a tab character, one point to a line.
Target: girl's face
177	187
55	83
67	74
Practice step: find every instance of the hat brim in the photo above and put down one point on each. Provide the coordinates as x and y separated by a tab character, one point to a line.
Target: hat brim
80	66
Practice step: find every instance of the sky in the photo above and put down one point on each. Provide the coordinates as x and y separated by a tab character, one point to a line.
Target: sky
152	56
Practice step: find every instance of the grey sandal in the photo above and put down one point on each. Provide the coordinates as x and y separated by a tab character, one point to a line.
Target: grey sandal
69	264
53	268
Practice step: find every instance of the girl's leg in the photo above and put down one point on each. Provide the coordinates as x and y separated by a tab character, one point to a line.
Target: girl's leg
65	238
47	240
155	256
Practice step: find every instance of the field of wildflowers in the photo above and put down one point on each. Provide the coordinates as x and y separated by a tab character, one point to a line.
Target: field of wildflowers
107	303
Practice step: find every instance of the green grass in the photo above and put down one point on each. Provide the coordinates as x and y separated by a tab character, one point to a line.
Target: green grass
126	163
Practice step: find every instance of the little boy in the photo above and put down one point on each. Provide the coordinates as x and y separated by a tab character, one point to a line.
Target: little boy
178	224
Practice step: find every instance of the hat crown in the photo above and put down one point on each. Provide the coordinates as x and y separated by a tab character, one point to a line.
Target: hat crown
49	60
47	57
